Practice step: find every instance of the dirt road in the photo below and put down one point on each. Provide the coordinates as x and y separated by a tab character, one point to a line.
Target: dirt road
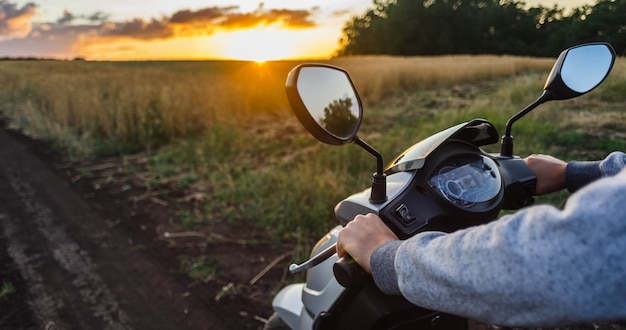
65	268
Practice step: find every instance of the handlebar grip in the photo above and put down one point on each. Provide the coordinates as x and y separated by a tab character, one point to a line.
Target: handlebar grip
346	270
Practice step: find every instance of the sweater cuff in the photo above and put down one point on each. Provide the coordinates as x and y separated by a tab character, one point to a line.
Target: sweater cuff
578	174
383	270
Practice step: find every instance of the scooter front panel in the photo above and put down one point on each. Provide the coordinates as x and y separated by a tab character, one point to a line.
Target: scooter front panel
322	289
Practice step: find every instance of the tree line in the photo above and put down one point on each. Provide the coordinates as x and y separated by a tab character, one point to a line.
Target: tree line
436	27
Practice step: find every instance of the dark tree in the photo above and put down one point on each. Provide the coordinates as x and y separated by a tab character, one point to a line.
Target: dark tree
435	27
338	118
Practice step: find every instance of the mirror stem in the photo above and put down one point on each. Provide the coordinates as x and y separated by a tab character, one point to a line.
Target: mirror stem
379	180
506	149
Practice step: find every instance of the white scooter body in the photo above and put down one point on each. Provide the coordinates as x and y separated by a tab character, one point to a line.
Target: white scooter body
299	304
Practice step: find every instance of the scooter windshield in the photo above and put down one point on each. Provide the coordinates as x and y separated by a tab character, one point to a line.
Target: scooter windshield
478	132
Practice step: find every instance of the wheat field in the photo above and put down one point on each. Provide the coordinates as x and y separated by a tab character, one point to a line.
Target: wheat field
143	105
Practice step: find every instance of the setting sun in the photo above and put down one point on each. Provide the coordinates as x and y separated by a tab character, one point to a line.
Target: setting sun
274	43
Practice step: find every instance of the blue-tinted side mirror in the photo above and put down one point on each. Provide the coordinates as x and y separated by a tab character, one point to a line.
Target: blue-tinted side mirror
579	70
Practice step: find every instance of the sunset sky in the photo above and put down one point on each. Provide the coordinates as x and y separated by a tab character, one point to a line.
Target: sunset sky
183	29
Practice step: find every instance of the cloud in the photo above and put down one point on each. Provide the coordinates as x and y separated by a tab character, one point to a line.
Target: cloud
227	17
286	17
206	15
16	22
206	21
97	17
69	18
47	41
138	29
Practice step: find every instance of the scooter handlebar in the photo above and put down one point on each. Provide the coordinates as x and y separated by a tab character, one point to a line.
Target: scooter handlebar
347	270
316	260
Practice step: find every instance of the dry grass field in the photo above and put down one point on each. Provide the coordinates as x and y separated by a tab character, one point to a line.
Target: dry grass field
131	106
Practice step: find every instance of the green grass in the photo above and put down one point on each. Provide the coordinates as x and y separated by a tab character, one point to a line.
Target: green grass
200	268
6	289
188	219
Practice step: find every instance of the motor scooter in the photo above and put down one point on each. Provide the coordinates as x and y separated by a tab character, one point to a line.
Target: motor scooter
445	182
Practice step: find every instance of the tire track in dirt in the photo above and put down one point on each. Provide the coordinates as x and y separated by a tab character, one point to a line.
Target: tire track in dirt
70	270
48	240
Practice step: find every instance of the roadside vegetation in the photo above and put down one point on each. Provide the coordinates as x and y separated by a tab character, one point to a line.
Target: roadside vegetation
223	130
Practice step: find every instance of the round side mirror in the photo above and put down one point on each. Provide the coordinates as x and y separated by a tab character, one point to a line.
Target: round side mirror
325	101
580	69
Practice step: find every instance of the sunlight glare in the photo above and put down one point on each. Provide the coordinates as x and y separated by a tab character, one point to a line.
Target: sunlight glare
260	45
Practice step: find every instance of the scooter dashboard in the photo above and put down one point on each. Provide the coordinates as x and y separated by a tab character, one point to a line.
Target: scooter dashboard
465	184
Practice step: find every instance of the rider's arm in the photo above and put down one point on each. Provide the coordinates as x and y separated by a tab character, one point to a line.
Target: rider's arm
540	266
554	174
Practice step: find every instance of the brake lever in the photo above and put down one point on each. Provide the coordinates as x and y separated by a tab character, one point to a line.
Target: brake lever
314	261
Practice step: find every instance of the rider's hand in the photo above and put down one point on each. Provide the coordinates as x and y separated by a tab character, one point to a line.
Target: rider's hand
361	237
550	173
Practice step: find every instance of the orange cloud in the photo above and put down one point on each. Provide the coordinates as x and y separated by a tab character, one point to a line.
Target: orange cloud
289	18
205	21
15	22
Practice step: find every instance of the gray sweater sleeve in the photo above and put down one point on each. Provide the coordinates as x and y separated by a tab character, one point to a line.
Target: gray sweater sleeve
579	174
538	267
